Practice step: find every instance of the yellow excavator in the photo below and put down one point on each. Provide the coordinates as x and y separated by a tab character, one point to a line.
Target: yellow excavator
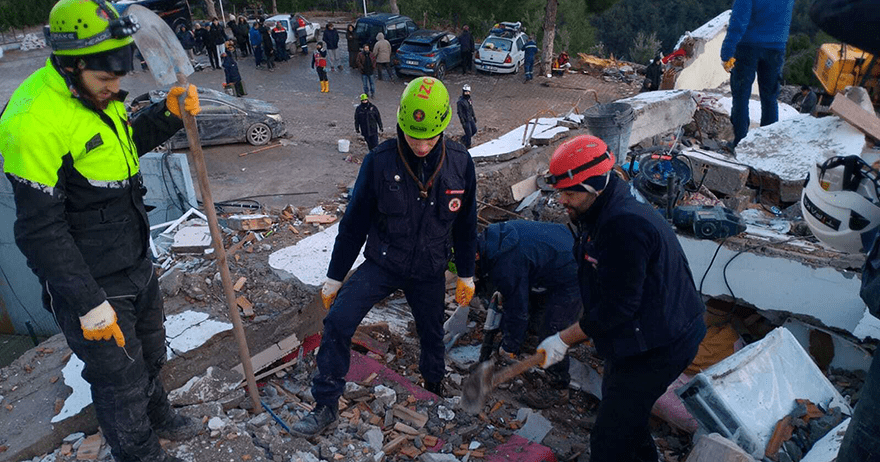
839	66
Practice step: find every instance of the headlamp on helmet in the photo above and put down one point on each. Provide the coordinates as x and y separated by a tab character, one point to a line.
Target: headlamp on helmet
87	27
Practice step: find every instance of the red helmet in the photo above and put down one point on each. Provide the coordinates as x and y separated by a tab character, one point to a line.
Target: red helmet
578	159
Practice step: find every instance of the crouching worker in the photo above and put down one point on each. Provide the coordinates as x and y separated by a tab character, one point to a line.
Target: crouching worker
531	264
71	154
414	198
641	307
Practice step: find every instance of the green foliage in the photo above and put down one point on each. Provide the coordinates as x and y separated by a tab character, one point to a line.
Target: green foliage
644	47
800	57
19	14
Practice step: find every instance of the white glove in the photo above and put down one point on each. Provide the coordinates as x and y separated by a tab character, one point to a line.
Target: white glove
554	350
329	291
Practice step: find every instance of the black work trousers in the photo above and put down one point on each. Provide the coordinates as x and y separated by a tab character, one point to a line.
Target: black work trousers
467	61
126	390
630	387
861	443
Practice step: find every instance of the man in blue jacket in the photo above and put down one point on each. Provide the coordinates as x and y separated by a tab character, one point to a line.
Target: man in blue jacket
641	307
331	39
531	264
414	198
531	50
755	44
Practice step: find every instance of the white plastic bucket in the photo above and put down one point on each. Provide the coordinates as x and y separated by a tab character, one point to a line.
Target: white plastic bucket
343	145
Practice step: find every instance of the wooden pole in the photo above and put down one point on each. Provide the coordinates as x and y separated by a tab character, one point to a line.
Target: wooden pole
195	147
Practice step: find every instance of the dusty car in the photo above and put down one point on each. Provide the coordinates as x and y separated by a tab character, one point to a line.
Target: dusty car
225	119
503	51
395	27
428	52
289	23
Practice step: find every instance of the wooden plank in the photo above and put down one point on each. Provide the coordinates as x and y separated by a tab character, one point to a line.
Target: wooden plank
271	354
320	219
417	419
239	283
238	245
851	112
525	187
246	306
406	429
250	222
394	445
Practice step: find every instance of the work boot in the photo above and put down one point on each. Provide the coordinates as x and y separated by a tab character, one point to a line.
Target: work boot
436	388
314	422
179	427
546	397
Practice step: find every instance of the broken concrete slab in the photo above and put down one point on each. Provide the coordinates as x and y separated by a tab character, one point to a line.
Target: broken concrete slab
536	426
723	104
701	68
464	356
860	96
215	384
844	354
788	149
659	112
716	448
308	259
826	449
548	137
190	329
513	143
192	239
723	173
524	188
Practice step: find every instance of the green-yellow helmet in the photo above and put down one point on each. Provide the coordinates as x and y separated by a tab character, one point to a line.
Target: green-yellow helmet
88	27
424	108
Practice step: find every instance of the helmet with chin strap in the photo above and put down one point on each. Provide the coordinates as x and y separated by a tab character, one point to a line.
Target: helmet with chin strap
91	34
580	161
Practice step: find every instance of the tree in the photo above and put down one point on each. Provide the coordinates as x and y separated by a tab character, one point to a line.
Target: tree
209	9
549	35
645	46
274	6
394	8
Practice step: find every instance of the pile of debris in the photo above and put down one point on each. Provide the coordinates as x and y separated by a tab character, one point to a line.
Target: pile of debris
32	42
796	433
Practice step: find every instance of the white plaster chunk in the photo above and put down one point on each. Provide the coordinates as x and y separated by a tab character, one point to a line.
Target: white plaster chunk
386	395
723	104
308	259
189	330
708	31
724	174
826	449
869	326
659	112
192	238
81	395
536	427
549	134
789	148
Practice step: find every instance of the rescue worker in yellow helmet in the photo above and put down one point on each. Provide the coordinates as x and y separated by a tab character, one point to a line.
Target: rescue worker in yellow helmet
414	199
71	153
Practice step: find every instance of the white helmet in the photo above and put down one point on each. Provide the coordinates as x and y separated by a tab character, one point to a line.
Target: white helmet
466	87
841	203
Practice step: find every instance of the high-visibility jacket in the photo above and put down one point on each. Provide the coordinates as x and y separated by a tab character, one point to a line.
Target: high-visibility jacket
75	174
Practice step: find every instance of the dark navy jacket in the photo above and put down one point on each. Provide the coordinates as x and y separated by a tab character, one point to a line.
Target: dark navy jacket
637	287
230	68
405	234
520	255
331	38
367	120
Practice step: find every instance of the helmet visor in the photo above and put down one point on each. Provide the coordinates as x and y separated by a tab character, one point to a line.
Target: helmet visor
118	61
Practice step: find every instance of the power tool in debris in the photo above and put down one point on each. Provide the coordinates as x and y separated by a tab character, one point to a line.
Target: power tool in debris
708	221
491	327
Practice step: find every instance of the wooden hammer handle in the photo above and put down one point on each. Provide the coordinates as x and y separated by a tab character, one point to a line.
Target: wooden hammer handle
514	370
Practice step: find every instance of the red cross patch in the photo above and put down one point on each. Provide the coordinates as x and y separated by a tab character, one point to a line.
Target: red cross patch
454	204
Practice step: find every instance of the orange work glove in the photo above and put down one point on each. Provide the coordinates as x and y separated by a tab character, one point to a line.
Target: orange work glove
191	103
728	65
464	291
100	324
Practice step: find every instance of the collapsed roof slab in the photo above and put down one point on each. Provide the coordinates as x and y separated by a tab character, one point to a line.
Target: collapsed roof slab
788	149
308	259
659	112
723	104
777	284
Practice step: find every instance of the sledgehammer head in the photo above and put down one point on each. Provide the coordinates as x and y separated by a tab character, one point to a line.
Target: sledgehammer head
475	388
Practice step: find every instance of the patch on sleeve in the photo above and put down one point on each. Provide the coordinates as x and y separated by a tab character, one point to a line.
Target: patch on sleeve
94	142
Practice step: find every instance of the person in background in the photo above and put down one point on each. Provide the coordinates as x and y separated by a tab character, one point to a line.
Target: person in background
368	122
268	47
187	41
805	101
319	64
414	199
467	49
217	39
201	34
354	47
531	49
466	115
653	74
241	32
302	35
256	40
755	45
382	56
331	40
230	68
279	35
641	307
365	65
231	24
563	61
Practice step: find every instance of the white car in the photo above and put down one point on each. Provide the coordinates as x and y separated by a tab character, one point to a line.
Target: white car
503	51
312	29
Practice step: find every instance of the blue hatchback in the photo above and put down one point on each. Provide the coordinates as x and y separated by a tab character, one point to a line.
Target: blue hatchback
428	52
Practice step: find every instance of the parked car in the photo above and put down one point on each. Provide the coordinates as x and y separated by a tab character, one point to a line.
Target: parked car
395	27
428	52
287	20
225	119
503	51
